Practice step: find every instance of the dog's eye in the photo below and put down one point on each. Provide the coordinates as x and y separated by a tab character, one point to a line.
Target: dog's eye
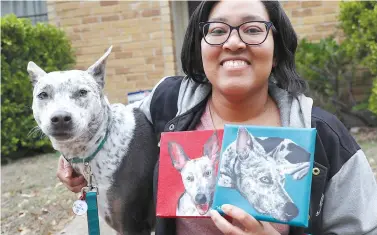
190	178
207	173
266	180
42	95
83	92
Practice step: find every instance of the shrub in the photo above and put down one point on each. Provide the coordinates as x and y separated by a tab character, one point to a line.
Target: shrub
331	73
22	42
373	98
358	21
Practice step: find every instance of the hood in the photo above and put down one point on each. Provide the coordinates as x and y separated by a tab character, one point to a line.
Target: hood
295	111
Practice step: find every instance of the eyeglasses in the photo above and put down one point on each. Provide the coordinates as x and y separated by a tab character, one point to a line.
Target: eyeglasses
251	32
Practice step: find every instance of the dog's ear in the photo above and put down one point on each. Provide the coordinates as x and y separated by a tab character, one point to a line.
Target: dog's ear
244	141
211	148
177	155
35	72
289	151
291	159
98	69
247	143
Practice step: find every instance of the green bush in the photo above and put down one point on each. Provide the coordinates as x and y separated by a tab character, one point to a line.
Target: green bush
331	73
319	62
22	42
358	21
373	98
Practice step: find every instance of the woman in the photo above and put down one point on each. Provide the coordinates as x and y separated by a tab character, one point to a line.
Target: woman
239	61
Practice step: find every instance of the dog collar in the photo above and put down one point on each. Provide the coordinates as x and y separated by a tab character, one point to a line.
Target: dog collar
88	159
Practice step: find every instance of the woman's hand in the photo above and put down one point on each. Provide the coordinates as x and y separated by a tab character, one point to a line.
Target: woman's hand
68	177
250	224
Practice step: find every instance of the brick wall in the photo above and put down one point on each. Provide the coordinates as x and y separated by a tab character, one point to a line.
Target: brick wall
313	19
140	32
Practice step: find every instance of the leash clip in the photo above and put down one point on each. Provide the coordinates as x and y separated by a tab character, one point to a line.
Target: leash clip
88	172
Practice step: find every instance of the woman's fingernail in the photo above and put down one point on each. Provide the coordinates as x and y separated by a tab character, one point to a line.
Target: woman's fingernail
225	207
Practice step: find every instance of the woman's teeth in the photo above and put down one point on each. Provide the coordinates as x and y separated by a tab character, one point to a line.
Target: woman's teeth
234	63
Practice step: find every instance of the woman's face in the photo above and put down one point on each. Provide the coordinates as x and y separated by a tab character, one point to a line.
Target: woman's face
234	68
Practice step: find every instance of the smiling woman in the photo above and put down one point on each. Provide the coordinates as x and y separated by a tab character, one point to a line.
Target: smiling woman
238	58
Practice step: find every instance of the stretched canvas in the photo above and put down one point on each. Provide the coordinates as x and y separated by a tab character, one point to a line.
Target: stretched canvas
267	172
187	172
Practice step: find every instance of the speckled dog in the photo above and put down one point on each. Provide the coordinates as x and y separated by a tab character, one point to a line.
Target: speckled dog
71	109
257	168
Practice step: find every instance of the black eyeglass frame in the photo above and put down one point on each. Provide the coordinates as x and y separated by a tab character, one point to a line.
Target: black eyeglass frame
269	25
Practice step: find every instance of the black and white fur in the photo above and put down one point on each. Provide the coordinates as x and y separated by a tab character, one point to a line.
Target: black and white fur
71	109
257	168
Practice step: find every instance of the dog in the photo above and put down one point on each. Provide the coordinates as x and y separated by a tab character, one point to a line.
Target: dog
257	167
198	177
72	110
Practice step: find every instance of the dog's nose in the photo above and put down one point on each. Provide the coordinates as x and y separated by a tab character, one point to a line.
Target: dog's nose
61	119
200	198
290	211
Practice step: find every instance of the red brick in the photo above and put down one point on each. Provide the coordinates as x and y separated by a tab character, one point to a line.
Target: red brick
109	18
301	12
136	77
108	3
80	67
158	51
130	15
80	29
78	51
150	12
90	19
291	4
123	55
325	27
307	4
121	70
314	37
117	48
151	60
74	37
159	64
145	84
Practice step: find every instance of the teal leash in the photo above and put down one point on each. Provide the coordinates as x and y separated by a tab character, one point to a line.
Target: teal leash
92	213
91	195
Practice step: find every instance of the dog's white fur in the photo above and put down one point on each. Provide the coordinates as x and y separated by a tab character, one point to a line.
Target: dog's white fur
198	177
121	170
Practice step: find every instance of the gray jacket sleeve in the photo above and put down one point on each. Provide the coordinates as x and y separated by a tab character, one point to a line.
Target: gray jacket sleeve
350	206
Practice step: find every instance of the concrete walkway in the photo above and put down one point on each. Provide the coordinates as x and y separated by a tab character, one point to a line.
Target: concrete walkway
78	226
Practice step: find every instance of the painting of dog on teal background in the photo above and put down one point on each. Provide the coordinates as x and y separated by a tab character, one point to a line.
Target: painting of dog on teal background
267	172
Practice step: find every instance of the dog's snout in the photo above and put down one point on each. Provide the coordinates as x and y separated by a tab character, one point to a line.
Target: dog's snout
61	118
290	211
200	198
